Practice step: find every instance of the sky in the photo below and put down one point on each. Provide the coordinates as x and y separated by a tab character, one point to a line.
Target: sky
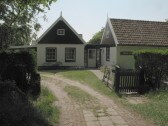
88	16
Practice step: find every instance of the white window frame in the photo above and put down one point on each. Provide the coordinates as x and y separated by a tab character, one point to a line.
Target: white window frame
67	53
60	31
53	57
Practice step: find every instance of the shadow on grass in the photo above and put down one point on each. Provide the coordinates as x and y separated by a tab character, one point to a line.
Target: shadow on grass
16	109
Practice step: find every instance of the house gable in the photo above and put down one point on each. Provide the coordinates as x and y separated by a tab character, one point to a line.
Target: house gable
51	36
108	37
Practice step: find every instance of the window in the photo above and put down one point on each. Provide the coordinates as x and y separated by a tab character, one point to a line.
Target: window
60	31
70	54
107	53
51	54
91	54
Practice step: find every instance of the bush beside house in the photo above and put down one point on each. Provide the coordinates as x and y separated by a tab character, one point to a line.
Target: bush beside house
21	68
16	109
155	65
18	79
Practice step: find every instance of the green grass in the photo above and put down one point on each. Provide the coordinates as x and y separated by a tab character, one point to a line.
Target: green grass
156	109
88	78
45	107
84	99
78	95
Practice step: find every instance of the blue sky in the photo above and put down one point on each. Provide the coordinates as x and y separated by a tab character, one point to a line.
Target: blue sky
89	16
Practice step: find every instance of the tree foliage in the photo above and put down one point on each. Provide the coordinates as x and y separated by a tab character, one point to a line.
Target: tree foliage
19	21
96	39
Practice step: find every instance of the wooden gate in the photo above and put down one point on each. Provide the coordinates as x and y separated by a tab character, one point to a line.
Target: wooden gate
129	81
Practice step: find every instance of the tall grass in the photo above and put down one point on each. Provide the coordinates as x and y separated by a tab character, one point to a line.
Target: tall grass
44	105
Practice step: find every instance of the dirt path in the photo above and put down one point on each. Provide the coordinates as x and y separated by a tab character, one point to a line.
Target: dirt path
73	115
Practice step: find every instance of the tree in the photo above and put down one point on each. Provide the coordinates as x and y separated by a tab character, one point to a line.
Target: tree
96	39
19	21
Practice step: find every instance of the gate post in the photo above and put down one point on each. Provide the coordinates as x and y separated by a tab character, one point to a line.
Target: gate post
141	81
117	79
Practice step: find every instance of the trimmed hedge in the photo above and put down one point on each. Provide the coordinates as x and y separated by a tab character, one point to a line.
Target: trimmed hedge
155	65
20	67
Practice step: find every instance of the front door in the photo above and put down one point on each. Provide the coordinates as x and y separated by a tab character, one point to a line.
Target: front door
91	57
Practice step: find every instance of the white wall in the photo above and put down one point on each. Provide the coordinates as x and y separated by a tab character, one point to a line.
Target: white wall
127	61
41	54
113	54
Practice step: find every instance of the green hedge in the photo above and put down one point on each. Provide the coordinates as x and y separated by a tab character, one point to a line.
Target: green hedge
16	109
155	65
20	67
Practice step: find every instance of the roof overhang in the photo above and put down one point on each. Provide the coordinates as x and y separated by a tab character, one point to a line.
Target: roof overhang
96	46
142	45
23	47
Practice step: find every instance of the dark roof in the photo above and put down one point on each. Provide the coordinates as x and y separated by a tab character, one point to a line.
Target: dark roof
136	32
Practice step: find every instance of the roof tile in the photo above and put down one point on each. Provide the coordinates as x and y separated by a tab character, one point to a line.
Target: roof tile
136	32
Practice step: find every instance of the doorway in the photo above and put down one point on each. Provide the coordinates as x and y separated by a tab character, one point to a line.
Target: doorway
91	57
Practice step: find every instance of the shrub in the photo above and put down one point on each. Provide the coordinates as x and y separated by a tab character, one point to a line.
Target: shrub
20	67
155	65
35	84
15	108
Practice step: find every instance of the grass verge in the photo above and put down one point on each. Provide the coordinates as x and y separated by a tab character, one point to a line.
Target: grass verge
155	109
88	78
84	99
79	95
44	105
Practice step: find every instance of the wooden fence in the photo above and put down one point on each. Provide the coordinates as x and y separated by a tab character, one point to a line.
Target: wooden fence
128	81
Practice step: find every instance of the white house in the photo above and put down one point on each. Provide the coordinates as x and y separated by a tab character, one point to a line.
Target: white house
60	45
122	37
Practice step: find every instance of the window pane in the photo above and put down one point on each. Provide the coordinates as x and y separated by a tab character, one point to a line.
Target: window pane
60	31
51	54
70	54
91	54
